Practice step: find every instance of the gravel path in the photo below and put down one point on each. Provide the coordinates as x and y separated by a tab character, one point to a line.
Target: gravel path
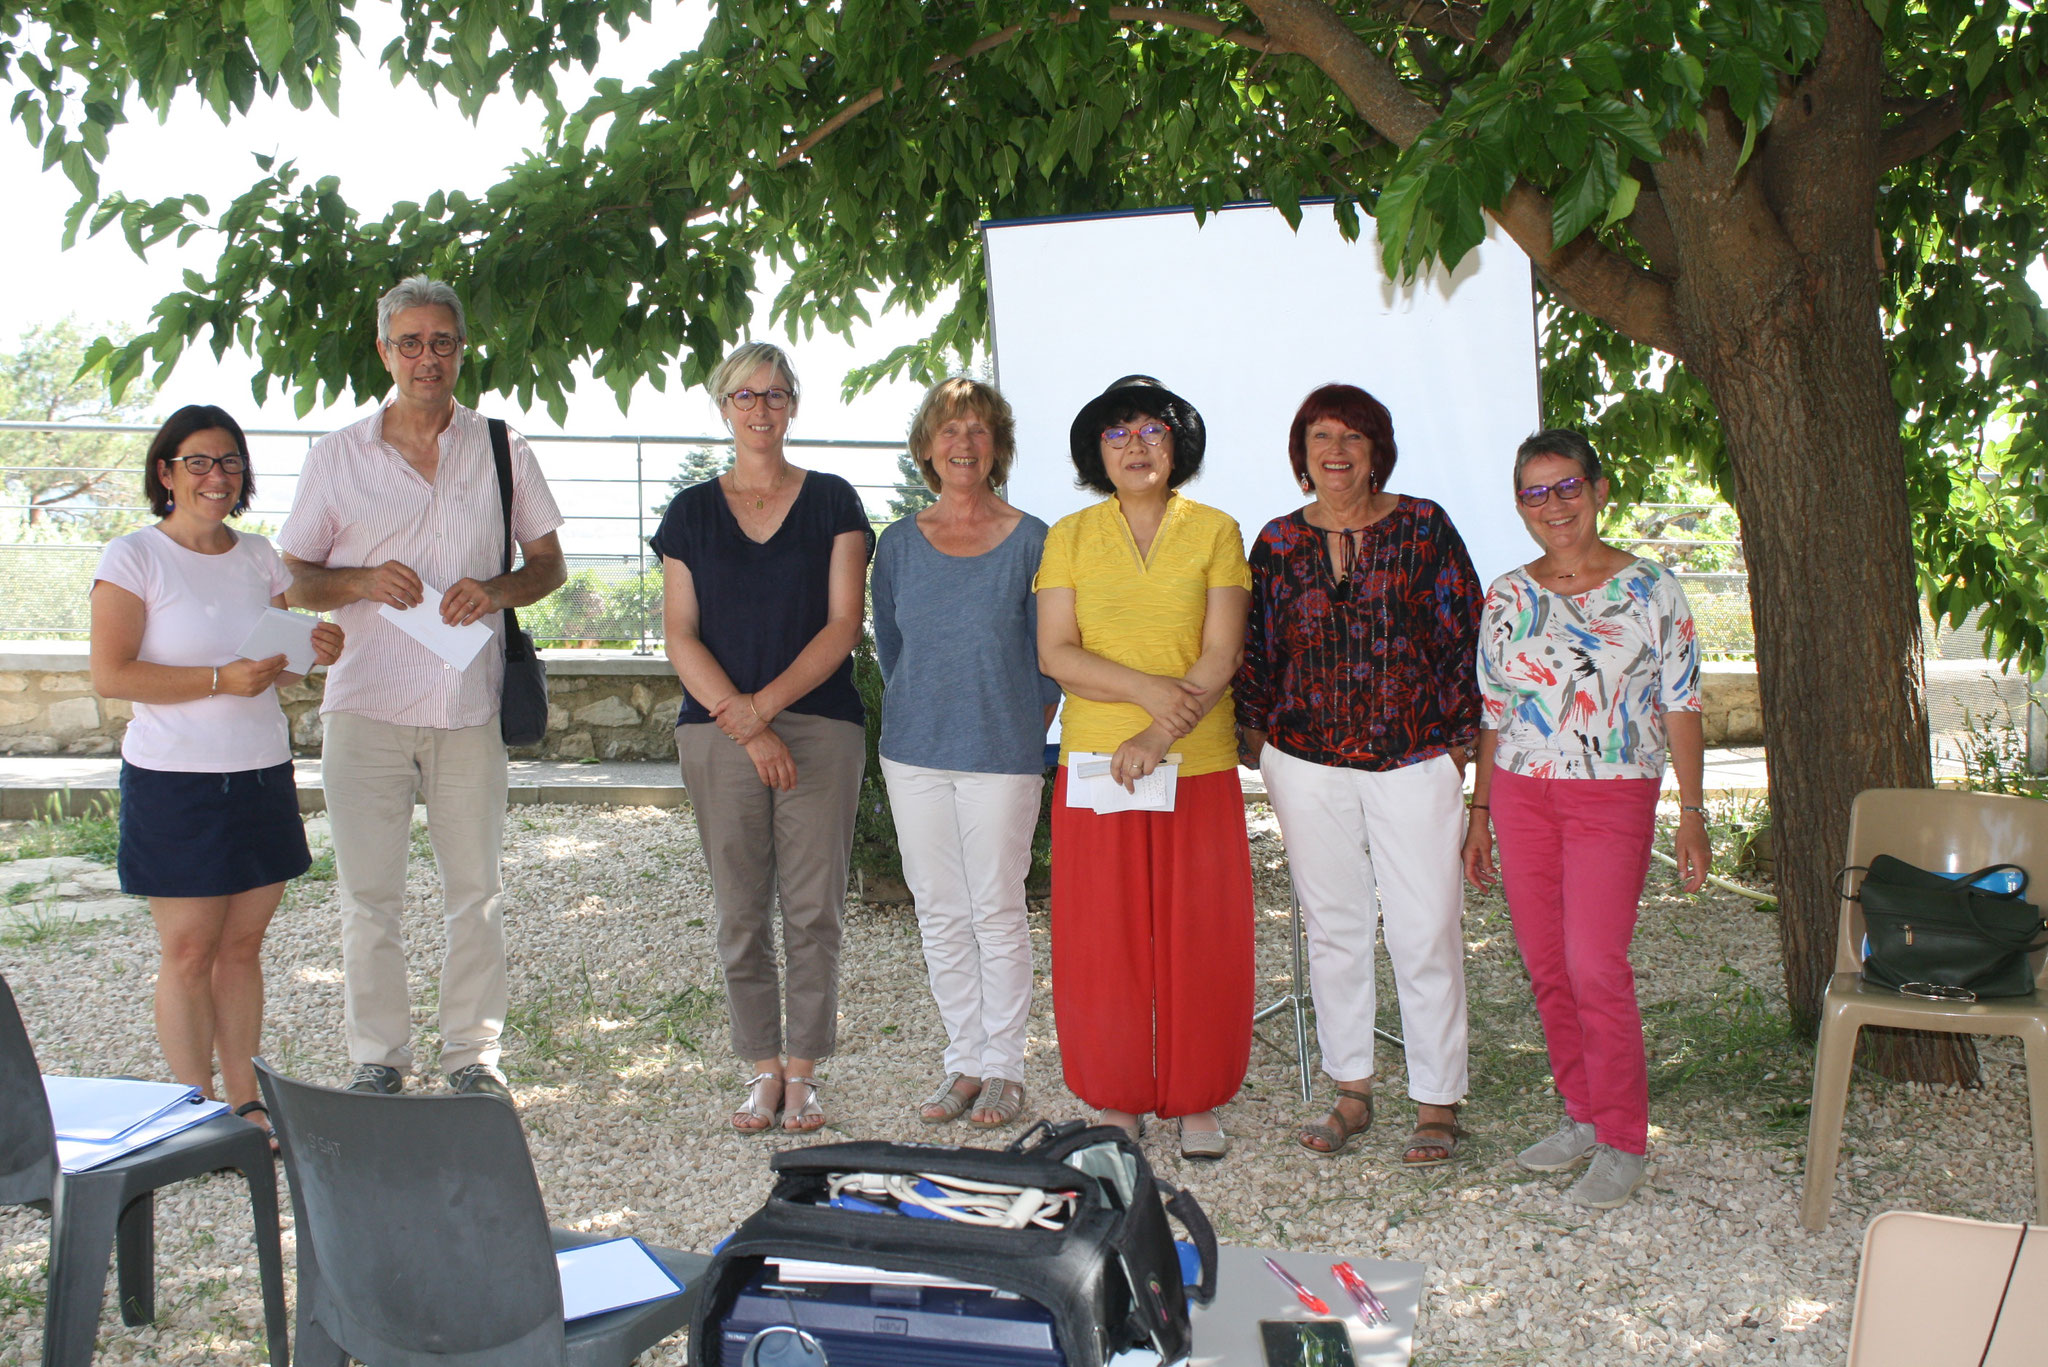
618	1057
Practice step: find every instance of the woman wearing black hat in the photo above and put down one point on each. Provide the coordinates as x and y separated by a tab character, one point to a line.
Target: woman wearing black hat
1141	612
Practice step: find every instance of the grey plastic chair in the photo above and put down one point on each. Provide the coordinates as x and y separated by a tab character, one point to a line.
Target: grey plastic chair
422	1238
110	1211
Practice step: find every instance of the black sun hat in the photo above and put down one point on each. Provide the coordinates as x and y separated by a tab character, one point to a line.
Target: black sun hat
1141	394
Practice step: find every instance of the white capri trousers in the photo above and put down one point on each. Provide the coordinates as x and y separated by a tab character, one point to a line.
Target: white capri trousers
1367	846
966	844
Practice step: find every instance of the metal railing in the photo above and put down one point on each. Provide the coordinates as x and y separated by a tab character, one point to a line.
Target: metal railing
48	550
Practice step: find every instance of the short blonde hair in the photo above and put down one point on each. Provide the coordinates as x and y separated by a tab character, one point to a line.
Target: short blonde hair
949	399
744	360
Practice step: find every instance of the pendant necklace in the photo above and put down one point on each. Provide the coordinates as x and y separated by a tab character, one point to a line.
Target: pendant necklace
760	499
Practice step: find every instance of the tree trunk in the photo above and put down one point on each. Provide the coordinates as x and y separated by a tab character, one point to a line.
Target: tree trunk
1804	393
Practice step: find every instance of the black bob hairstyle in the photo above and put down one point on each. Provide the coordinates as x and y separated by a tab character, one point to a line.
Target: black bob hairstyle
192	418
1135	396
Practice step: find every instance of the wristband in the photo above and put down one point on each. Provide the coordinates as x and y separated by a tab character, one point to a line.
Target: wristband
216	682
1477	807
1701	811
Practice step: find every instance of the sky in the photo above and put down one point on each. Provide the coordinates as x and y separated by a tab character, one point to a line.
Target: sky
388	144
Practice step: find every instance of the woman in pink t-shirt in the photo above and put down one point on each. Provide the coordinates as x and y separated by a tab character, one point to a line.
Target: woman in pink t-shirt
210	828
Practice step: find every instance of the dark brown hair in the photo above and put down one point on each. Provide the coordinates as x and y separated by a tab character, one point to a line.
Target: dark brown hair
193	417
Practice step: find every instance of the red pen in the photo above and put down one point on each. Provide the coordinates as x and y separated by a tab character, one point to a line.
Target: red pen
1301	1293
1370	1307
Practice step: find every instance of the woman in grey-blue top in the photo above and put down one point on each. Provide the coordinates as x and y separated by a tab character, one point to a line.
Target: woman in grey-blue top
964	716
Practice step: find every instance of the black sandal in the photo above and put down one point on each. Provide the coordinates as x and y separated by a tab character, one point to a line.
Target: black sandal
244	1111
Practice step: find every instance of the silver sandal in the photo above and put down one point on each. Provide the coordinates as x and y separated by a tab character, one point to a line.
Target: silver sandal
949	1101
754	1110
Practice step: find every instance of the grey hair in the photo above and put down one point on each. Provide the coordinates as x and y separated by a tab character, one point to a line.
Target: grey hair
1563	442
744	360
419	291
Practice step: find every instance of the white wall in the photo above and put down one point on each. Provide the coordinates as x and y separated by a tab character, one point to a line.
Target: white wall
1243	317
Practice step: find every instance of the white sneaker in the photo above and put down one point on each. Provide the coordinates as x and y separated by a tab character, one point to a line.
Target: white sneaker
1573	1141
1611	1180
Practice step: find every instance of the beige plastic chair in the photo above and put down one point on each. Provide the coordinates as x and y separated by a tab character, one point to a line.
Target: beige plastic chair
1950	832
1933	1293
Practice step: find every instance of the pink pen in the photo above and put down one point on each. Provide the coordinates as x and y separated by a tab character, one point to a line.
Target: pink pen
1370	1307
1301	1293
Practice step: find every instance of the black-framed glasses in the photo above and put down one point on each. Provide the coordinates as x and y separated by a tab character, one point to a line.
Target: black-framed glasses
203	465
777	398
1536	495
1152	433
441	344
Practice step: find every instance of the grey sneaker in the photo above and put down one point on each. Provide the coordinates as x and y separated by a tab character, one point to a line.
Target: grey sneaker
480	1078
1611	1180
377	1077
1573	1141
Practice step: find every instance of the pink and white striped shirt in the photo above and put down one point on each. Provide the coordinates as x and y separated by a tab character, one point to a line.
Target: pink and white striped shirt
359	503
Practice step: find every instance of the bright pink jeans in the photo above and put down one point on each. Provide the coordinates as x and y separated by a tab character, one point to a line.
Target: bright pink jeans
1573	856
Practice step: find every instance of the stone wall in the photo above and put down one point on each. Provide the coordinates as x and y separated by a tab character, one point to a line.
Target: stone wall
603	704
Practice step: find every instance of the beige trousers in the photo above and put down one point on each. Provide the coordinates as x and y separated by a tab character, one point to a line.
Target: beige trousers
373	772
766	848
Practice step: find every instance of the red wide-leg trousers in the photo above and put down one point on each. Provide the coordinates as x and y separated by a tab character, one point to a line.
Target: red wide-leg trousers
1152	949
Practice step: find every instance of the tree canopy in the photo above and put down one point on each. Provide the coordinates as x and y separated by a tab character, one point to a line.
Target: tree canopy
1784	239
67	485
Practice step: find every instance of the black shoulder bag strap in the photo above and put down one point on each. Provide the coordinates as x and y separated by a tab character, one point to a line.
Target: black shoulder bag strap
501	454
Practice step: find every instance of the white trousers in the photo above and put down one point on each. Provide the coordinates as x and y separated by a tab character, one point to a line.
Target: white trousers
966	844
373	772
1380	846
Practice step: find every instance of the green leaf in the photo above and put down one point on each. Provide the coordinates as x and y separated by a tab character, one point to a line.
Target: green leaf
1586	195
270	31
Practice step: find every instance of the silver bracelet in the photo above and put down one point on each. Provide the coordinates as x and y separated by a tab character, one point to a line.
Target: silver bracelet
1682	807
216	682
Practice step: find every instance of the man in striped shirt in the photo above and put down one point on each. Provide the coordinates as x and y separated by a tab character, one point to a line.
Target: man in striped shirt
394	510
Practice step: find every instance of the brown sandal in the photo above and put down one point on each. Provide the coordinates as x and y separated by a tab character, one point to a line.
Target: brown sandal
1000	1098
1436	1137
1337	1135
950	1101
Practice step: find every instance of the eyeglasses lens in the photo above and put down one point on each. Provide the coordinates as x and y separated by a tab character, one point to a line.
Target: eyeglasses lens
411	347
203	465
1536	495
1151	434
743	399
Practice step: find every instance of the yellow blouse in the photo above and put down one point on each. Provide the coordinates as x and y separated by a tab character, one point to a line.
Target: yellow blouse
1145	613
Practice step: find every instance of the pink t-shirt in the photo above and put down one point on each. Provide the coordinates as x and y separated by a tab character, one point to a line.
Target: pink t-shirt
200	610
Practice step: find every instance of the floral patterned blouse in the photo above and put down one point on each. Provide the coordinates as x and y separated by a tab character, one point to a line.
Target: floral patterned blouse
1577	685
1373	671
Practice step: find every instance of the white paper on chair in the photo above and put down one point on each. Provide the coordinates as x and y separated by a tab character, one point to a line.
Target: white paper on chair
102	1108
598	1278
278	632
82	1155
422	621
1090	786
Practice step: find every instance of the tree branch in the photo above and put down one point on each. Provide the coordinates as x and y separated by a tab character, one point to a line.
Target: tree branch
1927	127
1595	279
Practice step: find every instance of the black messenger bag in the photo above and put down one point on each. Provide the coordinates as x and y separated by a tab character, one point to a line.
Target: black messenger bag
523	698
1105	1277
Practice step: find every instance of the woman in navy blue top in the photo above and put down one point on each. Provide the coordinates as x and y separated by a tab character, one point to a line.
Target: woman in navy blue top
762	571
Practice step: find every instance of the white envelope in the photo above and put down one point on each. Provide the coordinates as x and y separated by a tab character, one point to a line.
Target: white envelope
278	632
457	645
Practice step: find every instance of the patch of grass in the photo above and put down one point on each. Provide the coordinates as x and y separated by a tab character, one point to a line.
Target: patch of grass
1736	1047
25	1292
95	835
322	868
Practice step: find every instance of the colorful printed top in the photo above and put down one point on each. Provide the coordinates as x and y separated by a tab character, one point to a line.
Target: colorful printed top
1373	671
1145	612
1577	686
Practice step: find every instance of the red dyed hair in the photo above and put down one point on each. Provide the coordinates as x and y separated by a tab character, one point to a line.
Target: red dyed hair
1357	410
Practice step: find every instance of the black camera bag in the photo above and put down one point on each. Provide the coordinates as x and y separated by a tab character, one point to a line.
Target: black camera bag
1111	1279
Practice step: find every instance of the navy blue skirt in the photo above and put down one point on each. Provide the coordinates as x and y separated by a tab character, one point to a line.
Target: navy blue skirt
209	835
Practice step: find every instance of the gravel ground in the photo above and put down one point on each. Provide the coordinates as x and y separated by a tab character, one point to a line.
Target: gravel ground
618	1056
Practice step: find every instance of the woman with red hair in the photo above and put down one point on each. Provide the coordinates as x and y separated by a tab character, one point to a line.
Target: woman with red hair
1358	701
